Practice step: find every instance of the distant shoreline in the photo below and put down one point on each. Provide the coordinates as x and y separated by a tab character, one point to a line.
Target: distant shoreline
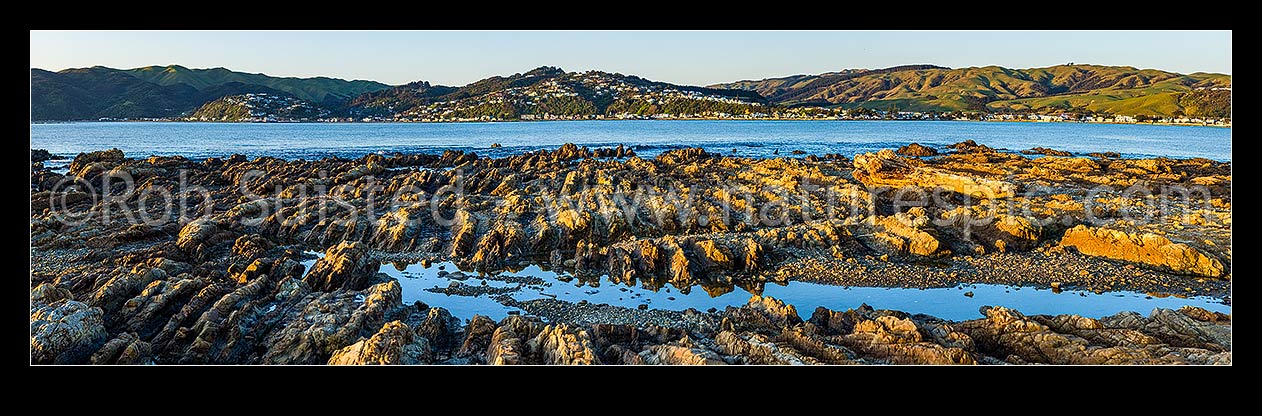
608	119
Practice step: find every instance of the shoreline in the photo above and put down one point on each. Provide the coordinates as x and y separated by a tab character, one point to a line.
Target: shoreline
64	158
227	287
566	120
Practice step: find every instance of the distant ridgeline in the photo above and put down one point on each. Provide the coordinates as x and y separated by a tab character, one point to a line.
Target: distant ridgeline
178	93
169	92
549	92
1084	89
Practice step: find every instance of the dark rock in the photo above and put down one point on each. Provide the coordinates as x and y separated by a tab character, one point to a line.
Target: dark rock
1046	151
346	265
394	344
917	150
40	155
87	165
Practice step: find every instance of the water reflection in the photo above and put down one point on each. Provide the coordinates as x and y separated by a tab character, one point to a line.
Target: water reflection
468	293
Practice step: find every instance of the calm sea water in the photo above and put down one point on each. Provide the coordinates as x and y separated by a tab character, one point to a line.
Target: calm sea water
420	283
738	138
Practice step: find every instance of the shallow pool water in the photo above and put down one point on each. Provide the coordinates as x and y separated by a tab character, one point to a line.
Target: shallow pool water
426	284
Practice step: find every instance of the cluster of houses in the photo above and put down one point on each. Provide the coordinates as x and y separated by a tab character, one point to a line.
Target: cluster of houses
600	85
796	114
267	108
264	107
1068	117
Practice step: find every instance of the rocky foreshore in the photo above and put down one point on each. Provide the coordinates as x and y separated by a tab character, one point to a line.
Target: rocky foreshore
169	260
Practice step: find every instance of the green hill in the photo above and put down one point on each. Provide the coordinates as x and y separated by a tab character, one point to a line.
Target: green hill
800	88
1105	89
258	107
549	92
159	92
398	99
80	94
323	90
93	93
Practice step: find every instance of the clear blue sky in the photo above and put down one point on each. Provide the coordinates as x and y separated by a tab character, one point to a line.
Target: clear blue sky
685	57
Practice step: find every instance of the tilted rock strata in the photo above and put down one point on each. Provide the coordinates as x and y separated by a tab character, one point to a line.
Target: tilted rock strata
1148	249
886	169
229	286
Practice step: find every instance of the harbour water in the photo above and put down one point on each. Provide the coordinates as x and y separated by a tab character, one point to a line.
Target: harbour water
647	137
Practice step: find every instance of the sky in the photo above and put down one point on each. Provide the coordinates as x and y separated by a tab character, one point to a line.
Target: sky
681	57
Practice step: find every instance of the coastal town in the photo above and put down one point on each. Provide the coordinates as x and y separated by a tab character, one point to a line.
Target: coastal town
808	113
814	113
588	95
550	93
